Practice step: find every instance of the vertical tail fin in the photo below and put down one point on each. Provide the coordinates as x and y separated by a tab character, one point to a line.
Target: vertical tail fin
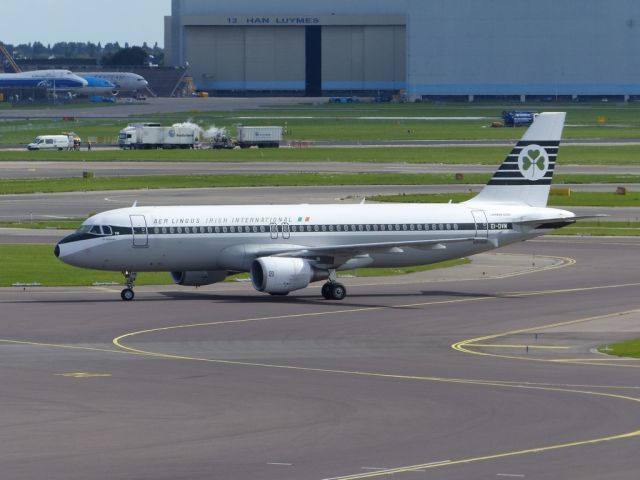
525	175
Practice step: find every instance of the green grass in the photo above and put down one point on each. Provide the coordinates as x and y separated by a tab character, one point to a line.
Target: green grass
341	122
209	181
630	348
36	263
52	185
571	154
66	224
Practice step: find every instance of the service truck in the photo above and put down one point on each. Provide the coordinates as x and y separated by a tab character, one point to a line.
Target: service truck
50	142
259	137
144	136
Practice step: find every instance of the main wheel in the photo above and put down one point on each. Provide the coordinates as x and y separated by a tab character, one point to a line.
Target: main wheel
326	290
337	291
127	294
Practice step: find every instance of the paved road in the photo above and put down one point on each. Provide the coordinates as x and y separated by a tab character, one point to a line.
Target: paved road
299	388
39	169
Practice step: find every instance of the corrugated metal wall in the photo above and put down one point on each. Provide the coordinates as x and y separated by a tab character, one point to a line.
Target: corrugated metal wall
363	57
246	58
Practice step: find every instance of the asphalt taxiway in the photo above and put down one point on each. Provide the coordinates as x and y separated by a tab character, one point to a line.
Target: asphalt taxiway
482	371
64	169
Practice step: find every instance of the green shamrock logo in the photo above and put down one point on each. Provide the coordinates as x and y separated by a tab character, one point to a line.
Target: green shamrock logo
533	162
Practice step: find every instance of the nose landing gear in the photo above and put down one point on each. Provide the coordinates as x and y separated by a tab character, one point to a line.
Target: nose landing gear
127	293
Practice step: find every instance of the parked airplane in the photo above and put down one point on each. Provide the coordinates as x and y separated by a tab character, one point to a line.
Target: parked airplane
124	81
52	79
97	86
286	247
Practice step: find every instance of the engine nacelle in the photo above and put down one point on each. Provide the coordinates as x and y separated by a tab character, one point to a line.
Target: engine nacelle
278	275
197	279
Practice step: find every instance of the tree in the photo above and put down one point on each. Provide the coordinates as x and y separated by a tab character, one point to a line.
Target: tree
126	56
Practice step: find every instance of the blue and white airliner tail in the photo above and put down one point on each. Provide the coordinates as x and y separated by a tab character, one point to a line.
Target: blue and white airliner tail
286	247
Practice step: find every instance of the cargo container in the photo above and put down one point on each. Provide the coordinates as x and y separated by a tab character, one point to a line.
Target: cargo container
263	137
146	136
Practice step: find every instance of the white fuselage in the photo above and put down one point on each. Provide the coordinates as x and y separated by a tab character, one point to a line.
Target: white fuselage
50	79
123	81
189	238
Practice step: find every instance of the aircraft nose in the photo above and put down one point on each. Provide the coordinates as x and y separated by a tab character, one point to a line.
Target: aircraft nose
56	251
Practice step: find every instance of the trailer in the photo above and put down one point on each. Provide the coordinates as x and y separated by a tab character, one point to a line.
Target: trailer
262	137
147	136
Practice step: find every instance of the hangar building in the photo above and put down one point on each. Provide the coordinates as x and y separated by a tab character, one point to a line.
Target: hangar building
423	47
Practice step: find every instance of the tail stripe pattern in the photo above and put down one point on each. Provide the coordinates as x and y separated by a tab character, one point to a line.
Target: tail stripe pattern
529	163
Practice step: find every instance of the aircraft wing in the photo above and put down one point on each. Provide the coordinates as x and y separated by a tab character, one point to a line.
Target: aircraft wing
377	247
332	256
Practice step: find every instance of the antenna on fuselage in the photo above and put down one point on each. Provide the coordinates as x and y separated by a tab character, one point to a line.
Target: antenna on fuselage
135	204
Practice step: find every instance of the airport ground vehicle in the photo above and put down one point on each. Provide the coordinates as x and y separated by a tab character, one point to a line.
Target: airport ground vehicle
50	142
263	137
518	119
146	136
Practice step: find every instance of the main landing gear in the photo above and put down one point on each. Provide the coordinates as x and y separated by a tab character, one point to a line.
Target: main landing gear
332	290
127	293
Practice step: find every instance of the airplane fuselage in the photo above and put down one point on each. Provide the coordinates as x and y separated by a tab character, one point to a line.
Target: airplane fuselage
222	237
123	81
51	79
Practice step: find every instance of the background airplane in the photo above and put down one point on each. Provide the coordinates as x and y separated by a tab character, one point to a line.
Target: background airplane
97	86
123	81
286	247
51	79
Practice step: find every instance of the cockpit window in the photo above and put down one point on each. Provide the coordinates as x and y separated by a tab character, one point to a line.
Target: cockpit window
95	229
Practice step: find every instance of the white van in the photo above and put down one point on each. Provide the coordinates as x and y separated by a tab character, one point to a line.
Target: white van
49	142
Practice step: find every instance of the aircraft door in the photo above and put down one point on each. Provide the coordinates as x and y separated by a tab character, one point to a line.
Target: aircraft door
139	229
482	227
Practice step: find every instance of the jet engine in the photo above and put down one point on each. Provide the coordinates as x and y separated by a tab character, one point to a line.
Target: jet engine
197	279
279	276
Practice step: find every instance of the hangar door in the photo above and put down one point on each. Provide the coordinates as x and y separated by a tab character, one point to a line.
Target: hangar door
246	58
356	58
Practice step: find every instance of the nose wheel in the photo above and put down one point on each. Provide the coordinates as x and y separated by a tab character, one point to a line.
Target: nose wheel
127	294
334	291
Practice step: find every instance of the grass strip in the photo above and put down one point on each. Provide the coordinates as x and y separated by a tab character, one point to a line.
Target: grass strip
53	185
630	348
452	155
36	263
